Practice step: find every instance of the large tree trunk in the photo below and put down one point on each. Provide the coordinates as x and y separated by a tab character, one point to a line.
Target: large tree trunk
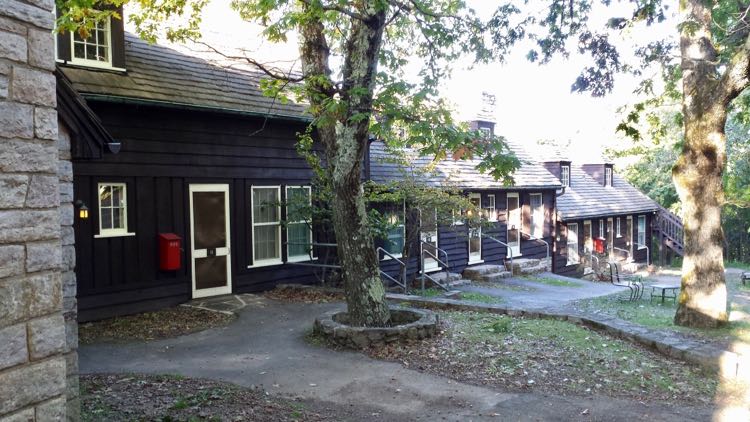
344	131
698	175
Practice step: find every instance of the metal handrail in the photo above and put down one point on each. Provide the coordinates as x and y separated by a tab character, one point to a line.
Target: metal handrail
648	253
401	263
532	237
510	254
445	263
627	252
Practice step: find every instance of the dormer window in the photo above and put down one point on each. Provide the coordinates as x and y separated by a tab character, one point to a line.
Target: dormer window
96	50
486	132
608	176
104	48
565	175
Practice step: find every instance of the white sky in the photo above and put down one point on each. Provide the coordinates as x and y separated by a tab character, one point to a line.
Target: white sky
533	102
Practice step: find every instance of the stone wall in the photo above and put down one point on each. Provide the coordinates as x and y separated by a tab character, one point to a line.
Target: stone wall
32	325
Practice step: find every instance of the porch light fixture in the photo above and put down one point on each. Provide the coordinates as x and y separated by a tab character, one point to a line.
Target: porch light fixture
83	210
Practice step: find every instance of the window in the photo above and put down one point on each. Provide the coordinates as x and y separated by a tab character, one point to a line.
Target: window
394	243
489	207
641	231
537	215
619	233
608	176
113	210
96	50
601	229
588	243
486	132
266	225
572	244
565	175
298	226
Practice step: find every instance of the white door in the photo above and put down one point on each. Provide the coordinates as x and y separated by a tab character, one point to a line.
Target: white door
429	235
514	224
209	240
475	233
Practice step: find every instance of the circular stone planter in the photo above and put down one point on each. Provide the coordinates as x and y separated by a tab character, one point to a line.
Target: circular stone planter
408	324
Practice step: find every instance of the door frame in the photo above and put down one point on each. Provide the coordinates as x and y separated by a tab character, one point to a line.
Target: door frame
423	235
213	291
513	250
477	256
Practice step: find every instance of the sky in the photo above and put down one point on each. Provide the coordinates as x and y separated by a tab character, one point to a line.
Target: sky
533	102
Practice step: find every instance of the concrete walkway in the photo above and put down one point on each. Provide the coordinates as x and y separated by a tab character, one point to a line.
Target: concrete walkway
524	292
265	347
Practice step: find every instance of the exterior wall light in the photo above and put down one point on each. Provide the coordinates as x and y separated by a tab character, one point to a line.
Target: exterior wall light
83	210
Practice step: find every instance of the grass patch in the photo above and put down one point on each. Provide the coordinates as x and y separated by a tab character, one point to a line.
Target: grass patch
552	281
550	356
737	264
481	297
429	292
654	314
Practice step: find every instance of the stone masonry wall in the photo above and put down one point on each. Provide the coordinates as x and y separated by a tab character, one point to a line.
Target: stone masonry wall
32	325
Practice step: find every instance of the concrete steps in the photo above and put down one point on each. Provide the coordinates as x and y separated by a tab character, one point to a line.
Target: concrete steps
448	279
486	273
529	266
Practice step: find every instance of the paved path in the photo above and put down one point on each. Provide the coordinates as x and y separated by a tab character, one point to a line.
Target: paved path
524	292
265	347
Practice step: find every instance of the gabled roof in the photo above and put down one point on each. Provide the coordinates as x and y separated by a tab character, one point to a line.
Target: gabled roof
456	173
176	75
587	198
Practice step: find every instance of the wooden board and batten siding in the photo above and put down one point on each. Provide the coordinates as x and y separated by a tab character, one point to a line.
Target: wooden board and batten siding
163	152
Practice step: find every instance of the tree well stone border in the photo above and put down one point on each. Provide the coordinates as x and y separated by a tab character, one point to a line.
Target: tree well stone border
421	324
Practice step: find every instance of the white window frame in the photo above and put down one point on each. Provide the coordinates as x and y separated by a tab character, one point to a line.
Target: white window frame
641	244
305	257
569	228
486	132
618	231
272	261
565	175
402	226
491	208
477	257
119	232
601	229
607	176
534	223
93	63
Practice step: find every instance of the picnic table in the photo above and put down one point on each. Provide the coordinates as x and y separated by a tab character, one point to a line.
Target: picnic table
663	287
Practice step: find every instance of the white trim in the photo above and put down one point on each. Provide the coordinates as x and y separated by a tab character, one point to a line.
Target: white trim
591	234
568	244
478	254
601	229
565	181
608	176
113	232
492	214
298	258
201	253
253	224
90	62
641	245
610	234
403	235
513	250
104	236
618	228
531	214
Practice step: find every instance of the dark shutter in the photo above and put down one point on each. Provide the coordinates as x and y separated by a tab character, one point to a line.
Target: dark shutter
118	40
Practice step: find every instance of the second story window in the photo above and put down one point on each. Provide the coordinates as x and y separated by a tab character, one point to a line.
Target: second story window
96	50
565	175
608	176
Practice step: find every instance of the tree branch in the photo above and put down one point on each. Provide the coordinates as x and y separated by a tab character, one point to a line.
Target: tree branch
737	75
273	72
336	8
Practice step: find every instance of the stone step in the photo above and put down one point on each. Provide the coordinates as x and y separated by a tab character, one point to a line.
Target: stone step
445	277
459	282
477	271
495	277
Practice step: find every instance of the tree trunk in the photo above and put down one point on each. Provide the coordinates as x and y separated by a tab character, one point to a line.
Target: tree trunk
698	175
344	130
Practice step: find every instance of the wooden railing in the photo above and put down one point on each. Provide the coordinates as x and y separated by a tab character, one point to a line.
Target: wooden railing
670	230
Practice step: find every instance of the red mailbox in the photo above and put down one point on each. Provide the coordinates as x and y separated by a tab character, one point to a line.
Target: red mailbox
599	245
170	246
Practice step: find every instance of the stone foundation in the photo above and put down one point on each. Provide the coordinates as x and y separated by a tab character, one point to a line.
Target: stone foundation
408	324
